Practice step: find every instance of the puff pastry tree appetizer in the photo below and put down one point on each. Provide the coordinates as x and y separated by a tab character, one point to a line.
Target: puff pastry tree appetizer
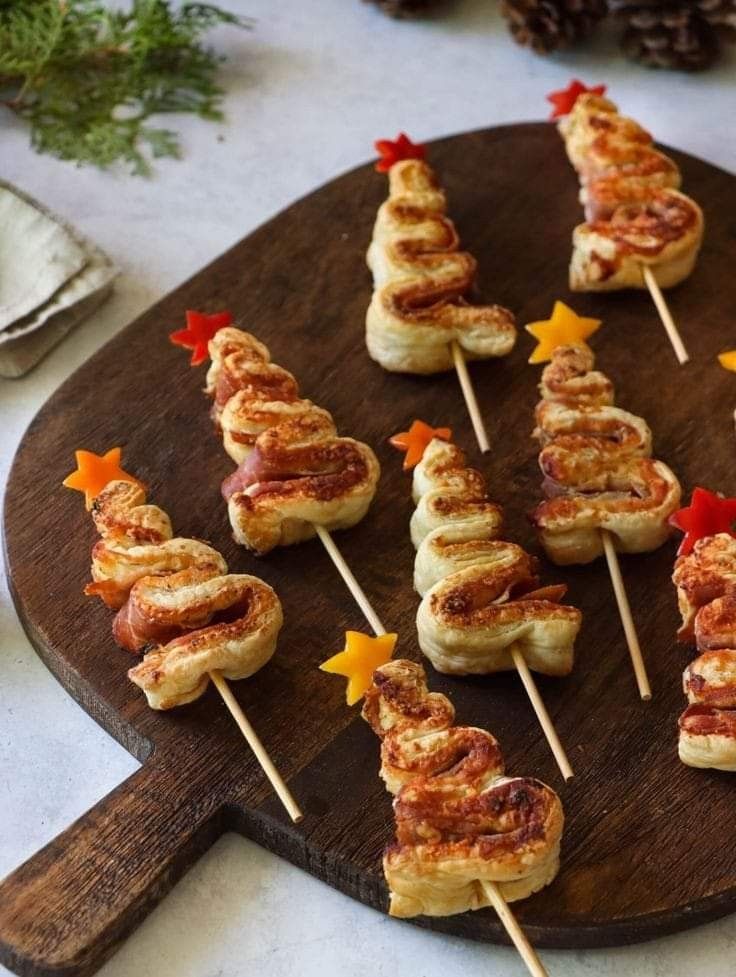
176	603
467	835
604	492
640	230
296	478
420	319
482	608
705	578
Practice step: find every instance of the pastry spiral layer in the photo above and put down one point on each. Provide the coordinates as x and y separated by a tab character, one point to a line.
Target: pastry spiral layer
706	593
293	471
421	282
597	469
481	595
176	601
635	214
460	821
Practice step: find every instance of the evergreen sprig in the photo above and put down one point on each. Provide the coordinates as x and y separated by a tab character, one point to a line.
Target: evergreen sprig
88	78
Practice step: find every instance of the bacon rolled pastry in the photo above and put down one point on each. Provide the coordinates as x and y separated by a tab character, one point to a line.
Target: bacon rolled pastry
421	283
481	595
293	471
635	214
460	821
596	466
176	601
706	591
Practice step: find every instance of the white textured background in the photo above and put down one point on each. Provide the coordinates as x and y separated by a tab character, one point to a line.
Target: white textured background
308	91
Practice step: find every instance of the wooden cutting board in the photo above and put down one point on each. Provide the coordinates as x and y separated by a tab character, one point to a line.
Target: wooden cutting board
646	847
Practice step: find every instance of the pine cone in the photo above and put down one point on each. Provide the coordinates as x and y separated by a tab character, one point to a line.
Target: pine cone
667	35
545	25
401	9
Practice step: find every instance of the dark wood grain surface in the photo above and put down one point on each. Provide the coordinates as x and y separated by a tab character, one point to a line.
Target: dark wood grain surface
647	847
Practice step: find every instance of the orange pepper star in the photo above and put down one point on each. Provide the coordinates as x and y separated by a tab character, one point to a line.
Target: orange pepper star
391	151
414	441
358	661
728	360
95	471
200	329
565	328
565	99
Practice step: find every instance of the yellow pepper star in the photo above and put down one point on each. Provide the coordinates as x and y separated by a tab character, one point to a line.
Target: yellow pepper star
728	360
95	471
358	661
565	328
414	441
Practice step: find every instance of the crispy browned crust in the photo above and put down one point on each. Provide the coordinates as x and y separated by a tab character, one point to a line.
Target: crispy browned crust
704	575
593	460
455	811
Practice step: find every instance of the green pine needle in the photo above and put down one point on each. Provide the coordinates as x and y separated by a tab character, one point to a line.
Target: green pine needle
88	78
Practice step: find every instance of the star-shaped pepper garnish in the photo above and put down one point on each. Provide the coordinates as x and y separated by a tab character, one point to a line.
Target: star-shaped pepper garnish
414	441
358	661
391	152
564	100
728	360
95	471
565	328
708	514
201	327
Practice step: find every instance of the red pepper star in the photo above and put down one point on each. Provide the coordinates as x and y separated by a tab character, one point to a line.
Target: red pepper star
200	329
709	513
414	441
392	152
564	100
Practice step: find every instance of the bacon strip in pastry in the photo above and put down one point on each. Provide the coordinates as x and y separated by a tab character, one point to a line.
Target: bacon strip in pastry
460	822
706	593
635	214
422	281
176	601
293	471
480	594
598	474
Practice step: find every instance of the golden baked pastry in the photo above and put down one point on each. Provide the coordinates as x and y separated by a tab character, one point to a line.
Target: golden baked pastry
460	821
635	214
293	471
421	283
706	591
596	466
481	595
176	601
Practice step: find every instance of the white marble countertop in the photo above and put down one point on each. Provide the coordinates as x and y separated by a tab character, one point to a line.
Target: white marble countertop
309	90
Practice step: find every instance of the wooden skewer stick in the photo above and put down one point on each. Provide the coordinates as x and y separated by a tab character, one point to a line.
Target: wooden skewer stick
543	716
665	315
516	934
255	744
352	584
471	403
627	620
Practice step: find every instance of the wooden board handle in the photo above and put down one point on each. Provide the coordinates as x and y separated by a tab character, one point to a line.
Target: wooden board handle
65	910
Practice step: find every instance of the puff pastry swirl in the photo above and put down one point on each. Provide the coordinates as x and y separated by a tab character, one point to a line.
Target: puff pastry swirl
481	594
176	601
460	821
421	283
706	593
294	472
635	213
598	473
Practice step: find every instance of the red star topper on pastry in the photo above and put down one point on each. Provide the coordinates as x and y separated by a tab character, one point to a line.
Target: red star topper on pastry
708	514
414	441
201	327
392	152
564	100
